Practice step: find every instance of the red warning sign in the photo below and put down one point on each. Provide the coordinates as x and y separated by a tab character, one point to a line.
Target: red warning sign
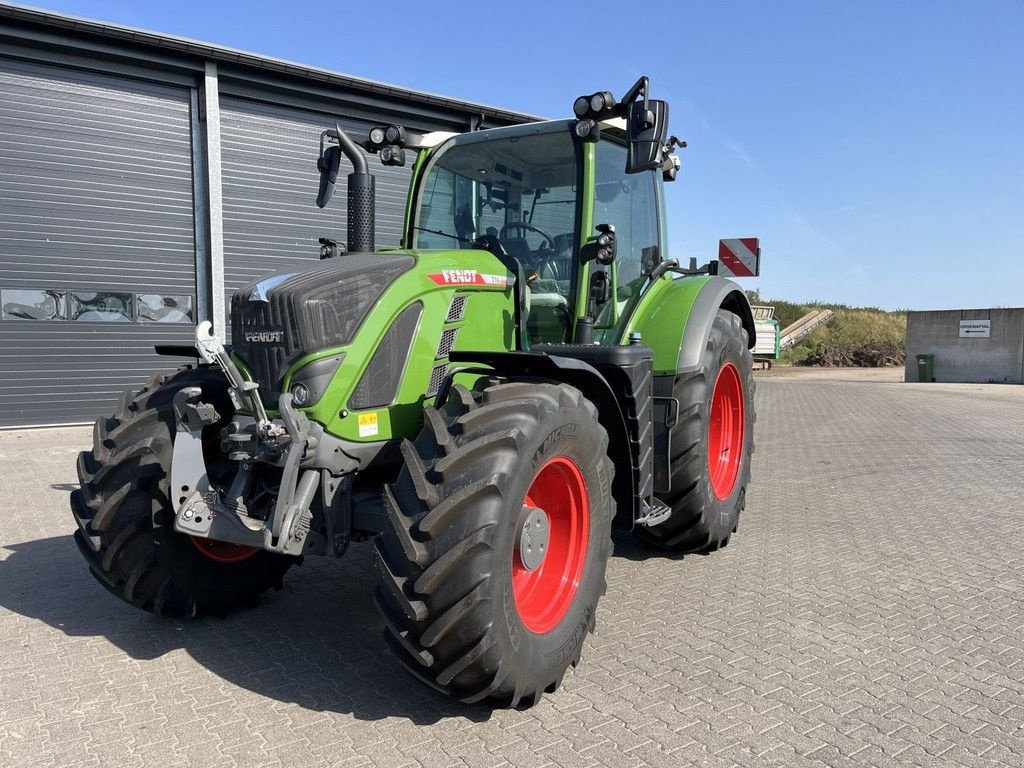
739	257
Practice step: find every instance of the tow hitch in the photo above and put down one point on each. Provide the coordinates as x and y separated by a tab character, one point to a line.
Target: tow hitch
200	509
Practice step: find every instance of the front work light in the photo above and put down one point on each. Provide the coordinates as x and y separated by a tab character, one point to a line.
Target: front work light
392	154
588	129
596	106
385	134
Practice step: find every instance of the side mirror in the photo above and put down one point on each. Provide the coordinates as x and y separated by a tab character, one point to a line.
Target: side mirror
328	165
646	130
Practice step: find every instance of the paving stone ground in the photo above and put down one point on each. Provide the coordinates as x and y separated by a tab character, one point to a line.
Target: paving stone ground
868	613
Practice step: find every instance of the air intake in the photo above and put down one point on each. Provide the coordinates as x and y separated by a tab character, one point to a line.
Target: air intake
456	309
448	337
379	384
436	377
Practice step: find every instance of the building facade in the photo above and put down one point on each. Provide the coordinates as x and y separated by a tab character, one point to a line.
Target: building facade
144	178
968	345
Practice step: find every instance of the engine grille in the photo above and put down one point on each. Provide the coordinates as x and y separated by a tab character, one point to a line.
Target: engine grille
436	377
456	309
447	342
276	321
379	383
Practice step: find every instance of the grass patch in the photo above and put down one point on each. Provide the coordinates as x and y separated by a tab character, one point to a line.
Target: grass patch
855	337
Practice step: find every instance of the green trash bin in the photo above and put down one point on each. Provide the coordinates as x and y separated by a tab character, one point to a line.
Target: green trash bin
926	367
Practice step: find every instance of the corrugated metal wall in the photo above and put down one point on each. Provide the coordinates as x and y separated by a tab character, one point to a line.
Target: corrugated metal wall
95	206
98	251
270	180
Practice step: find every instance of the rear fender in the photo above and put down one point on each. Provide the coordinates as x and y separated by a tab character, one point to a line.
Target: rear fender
674	319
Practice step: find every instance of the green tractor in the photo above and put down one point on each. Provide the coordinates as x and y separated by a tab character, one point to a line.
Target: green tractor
484	404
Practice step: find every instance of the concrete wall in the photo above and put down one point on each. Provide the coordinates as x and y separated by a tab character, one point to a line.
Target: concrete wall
999	358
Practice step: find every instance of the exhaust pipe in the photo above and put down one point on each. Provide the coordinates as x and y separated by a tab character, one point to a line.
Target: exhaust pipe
362	197
361	188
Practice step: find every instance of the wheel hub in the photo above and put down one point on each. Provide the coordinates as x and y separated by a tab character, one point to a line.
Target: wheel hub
548	559
532	543
725	432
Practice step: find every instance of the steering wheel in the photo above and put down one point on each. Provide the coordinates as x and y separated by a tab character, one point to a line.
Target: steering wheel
523	225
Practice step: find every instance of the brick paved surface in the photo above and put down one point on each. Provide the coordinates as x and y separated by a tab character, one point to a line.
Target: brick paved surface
869	613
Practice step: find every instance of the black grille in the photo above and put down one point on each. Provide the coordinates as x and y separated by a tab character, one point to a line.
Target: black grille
448	337
275	323
456	309
436	377
380	380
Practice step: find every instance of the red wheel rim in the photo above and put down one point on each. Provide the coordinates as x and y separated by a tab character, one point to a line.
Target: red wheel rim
543	595
223	551
725	432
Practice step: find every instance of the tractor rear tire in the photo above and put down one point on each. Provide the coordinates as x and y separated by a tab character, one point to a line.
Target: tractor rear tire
715	422
466	605
125	515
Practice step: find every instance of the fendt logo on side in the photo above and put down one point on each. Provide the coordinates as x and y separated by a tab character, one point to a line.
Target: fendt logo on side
459	275
469	277
264	337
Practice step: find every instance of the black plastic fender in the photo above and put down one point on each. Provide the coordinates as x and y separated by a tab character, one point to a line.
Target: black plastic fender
717	293
594	386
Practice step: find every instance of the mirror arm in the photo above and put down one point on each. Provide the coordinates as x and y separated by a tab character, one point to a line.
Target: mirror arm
641	86
672	265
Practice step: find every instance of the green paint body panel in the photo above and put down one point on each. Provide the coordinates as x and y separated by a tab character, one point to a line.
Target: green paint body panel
487	324
586	226
661	316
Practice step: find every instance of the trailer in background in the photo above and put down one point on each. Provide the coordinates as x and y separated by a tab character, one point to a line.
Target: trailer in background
767	344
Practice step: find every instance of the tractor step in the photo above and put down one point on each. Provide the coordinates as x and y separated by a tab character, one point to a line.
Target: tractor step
654	514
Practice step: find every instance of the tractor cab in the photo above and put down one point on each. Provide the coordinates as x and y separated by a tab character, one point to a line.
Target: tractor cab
517	193
533	195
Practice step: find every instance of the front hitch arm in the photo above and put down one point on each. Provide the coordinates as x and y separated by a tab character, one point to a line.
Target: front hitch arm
212	351
200	508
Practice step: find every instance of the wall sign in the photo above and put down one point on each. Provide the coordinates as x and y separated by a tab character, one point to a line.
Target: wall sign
975	329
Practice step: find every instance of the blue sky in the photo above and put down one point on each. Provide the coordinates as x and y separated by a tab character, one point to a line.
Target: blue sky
877	148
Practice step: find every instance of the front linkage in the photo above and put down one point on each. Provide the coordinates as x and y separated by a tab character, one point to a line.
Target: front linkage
200	509
291	443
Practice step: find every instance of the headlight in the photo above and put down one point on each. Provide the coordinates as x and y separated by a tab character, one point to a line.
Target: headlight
301	394
310	382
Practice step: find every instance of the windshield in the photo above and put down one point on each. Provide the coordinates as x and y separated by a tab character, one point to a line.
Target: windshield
521	189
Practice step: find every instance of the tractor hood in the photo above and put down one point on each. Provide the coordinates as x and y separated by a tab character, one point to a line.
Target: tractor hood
278	319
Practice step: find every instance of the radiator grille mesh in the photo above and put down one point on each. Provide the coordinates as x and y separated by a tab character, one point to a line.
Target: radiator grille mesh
456	309
436	377
448	337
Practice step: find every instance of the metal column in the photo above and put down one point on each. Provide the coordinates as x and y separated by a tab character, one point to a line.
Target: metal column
209	203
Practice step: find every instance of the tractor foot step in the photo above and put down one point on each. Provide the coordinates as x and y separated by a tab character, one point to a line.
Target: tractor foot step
654	514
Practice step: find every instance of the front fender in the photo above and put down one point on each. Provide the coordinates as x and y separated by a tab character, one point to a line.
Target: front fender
674	319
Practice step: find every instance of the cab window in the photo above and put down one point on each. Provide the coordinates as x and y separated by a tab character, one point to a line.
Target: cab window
520	189
630	203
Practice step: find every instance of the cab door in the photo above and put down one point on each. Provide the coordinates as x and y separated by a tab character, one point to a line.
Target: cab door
631	202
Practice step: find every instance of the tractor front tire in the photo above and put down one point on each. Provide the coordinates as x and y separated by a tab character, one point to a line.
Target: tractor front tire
125	514
711	444
478	601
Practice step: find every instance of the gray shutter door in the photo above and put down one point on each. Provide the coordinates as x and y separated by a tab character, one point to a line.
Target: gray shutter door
95	196
270	181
